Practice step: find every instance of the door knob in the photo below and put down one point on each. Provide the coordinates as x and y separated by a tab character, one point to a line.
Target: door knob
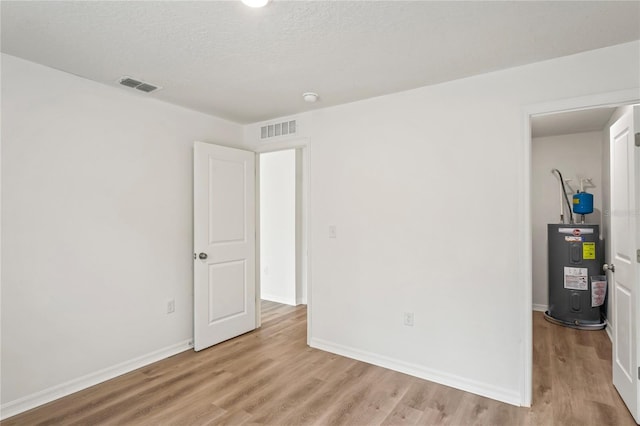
202	256
606	267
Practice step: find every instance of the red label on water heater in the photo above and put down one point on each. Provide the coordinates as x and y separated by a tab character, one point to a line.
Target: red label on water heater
576	232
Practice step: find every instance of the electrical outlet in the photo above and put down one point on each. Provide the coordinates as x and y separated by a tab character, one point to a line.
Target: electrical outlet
408	319
171	306
332	231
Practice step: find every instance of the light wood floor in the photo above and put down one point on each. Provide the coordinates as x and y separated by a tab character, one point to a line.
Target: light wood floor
271	377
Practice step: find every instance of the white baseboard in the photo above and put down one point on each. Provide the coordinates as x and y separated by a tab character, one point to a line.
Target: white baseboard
609	331
540	308
278	299
467	385
28	402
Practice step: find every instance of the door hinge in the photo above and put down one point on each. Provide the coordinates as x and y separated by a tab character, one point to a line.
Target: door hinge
638	255
638	373
638	139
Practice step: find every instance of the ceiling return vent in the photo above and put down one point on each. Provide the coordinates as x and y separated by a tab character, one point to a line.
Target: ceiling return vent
278	129
143	86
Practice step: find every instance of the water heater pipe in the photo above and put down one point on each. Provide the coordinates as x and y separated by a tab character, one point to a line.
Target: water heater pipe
562	203
563	191
561	207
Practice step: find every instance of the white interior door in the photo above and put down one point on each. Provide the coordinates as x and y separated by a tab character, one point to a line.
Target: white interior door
625	200
224	243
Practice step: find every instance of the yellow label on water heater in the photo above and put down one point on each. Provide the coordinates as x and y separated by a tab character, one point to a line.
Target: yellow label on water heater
588	251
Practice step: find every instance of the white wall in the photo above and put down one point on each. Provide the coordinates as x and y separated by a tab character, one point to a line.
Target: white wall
278	226
96	228
576	156
425	189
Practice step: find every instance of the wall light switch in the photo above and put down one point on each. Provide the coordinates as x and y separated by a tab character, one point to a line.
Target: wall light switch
332	231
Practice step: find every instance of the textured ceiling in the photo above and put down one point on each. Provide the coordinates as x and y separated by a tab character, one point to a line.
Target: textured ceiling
248	65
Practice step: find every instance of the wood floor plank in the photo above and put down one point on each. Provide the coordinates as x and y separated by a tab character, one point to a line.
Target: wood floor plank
380	401
271	377
403	415
291	399
419	394
329	396
445	401
362	384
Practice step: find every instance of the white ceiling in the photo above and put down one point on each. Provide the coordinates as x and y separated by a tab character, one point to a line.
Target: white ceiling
248	65
566	123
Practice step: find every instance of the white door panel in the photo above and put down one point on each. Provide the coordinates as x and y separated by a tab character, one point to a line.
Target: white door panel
624	348
226	201
224	234
229	300
624	246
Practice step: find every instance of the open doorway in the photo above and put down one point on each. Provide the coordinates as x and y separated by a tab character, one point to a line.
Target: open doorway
227	241
573	143
576	142
282	242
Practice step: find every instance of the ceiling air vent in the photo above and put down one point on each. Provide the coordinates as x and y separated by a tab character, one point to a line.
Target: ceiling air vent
278	129
129	82
137	84
145	87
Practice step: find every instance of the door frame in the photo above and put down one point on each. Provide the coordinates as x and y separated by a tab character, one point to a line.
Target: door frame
607	99
304	146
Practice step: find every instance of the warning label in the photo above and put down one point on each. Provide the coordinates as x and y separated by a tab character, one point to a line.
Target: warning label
588	251
573	239
576	278
598	290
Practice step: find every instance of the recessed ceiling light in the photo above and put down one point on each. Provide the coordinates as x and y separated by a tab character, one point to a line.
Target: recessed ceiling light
255	3
310	97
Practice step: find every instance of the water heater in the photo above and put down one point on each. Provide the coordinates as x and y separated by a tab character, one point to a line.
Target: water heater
577	290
